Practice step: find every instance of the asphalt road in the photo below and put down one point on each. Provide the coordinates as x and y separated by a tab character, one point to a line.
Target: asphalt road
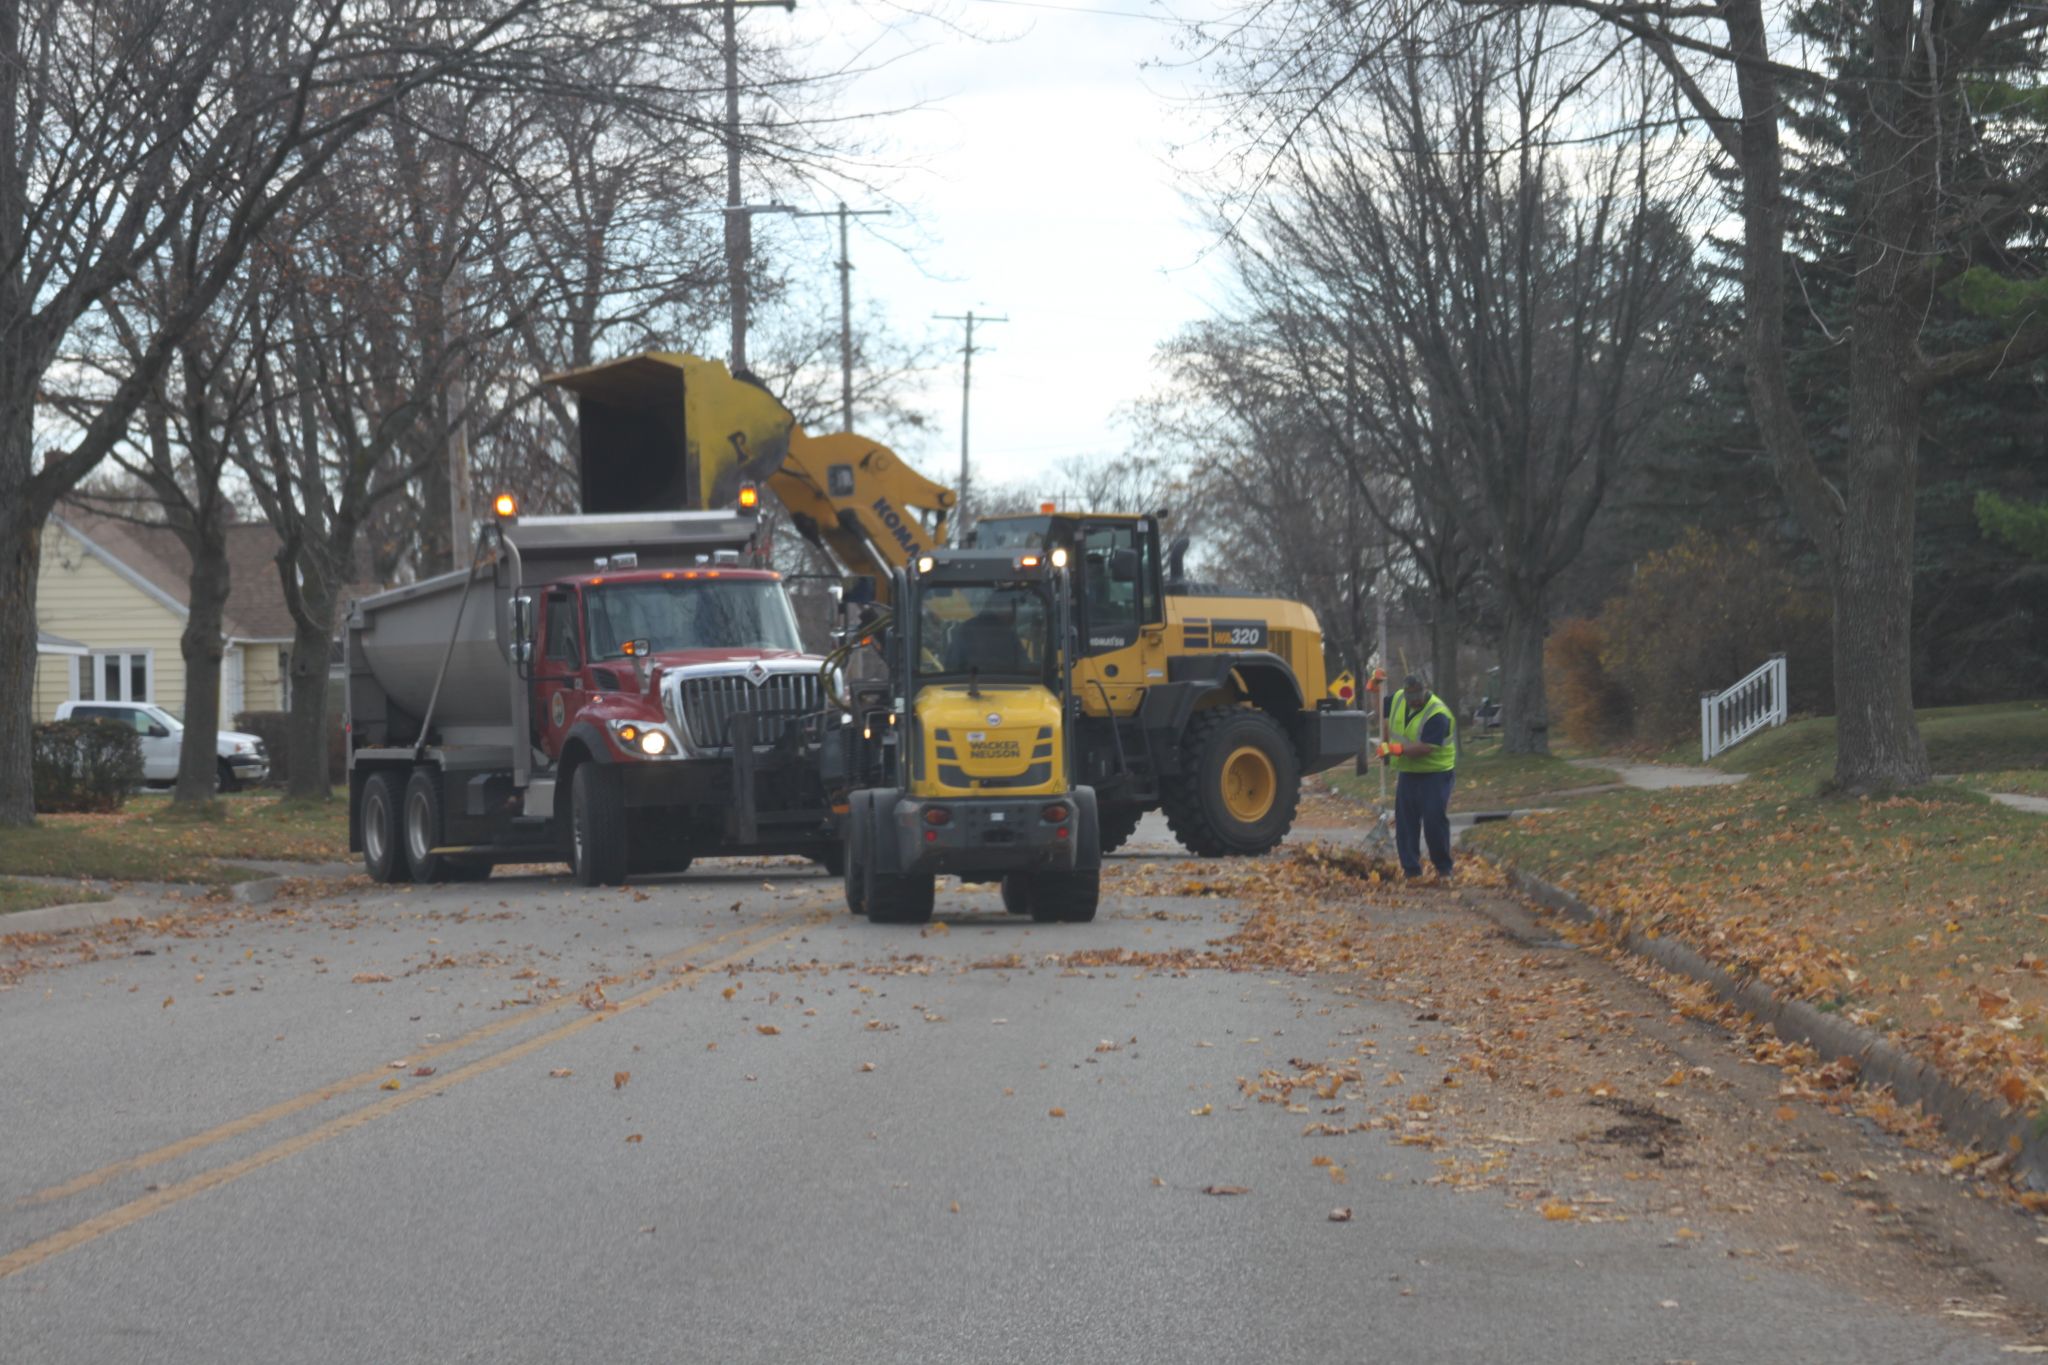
780	1135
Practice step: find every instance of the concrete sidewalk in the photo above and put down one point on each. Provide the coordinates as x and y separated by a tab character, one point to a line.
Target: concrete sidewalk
1662	776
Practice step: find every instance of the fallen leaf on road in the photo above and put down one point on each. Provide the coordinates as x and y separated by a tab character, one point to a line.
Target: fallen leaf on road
391	1084
1676	1078
619	1079
423	1071
1786	1113
1337	1176
368	978
561	1071
169	1000
769	1029
1226	1189
401	1064
1340	1215
867	1066
1056	1112
632	1137
955	1208
1203	1112
1557	1211
730	991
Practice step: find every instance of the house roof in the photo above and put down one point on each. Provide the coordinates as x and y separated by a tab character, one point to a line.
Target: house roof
47	643
154	560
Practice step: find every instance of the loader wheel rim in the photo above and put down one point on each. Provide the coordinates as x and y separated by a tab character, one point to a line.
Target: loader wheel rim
1249	784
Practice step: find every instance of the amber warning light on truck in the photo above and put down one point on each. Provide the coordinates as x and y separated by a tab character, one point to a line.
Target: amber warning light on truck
505	505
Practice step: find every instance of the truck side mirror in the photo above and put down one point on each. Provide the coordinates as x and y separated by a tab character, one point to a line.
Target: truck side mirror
1123	565
158	732
522	628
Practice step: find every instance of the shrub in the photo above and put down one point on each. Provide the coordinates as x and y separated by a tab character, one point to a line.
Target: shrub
1591	707
1700	615
85	765
272	726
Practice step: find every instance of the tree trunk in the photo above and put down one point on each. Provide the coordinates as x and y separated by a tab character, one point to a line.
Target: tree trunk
1524	711
306	726
202	645
1877	742
1443	649
21	538
21	550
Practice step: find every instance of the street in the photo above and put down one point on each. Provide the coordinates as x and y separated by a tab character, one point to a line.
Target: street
712	1117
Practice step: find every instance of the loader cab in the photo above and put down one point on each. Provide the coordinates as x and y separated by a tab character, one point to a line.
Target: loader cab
1114	564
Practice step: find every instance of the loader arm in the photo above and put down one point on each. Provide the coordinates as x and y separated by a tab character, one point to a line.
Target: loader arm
856	500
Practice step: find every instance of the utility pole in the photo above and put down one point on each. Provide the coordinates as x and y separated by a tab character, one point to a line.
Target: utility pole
843	213
966	388
739	220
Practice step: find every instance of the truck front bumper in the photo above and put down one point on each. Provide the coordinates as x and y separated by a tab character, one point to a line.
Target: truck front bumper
249	767
984	834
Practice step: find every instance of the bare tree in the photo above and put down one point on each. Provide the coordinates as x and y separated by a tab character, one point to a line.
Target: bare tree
117	121
1948	167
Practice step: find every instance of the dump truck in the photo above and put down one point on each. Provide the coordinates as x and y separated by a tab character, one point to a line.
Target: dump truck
960	761
622	689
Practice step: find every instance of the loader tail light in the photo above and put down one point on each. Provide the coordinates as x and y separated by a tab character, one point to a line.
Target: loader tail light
937	815
1055	814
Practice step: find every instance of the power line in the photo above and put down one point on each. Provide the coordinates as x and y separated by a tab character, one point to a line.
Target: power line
966	383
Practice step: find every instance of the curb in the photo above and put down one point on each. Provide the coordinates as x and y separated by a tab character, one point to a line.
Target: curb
67	919
1964	1115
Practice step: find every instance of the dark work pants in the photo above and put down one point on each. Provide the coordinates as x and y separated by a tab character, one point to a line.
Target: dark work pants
1422	809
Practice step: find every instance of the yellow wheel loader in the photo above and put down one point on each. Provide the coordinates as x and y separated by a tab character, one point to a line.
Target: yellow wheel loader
961	761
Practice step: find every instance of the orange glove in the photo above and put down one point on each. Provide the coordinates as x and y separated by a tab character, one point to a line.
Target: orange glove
1377	681
1386	749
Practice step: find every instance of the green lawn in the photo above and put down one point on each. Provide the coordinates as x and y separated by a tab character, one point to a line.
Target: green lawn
1997	736
16	895
1489	779
150	840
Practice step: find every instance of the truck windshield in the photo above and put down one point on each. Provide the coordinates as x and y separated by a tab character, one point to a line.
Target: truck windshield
733	613
994	630
1013	533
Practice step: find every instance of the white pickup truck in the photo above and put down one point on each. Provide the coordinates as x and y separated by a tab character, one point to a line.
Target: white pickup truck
242	758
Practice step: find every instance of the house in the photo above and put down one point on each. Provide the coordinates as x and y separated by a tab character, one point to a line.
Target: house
111	608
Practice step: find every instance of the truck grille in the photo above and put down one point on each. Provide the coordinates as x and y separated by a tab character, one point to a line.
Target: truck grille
779	701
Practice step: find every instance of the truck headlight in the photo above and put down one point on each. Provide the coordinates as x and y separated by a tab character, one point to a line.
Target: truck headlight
653	743
648	740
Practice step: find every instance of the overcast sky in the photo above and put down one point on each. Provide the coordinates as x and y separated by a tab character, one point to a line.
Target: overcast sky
1039	177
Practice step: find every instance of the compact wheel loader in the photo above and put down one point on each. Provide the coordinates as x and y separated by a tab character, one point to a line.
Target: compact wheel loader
960	761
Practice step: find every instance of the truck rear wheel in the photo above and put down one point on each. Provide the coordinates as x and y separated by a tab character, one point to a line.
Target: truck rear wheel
853	868
1119	822
899	898
597	826
383	842
1238	786
1054	897
423	827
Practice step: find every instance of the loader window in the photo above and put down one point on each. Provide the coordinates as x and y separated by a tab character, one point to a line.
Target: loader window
995	631
1111	575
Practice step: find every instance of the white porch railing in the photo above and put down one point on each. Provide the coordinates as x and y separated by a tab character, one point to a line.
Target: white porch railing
1730	716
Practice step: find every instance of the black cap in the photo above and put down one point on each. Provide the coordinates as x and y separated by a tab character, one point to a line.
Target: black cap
1414	680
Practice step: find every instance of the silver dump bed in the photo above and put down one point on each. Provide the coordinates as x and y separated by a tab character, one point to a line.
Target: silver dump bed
403	667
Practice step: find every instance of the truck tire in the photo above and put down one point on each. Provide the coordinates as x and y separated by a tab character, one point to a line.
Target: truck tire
1239	783
1119	823
899	898
421	821
1017	891
853	865
1060	897
597	826
383	840
224	779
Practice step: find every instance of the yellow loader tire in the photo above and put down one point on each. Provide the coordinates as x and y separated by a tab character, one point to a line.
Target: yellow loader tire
1239	783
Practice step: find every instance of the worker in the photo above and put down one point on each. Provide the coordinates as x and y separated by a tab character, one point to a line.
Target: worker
1420	744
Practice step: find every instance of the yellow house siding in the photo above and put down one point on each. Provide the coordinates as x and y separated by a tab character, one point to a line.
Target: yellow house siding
82	598
260	690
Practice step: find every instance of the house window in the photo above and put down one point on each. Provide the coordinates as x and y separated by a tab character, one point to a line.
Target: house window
115	675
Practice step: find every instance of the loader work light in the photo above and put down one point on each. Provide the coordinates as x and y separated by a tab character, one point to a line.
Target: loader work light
750	496
1059	557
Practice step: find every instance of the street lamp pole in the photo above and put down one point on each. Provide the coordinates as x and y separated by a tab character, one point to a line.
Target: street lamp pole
843	213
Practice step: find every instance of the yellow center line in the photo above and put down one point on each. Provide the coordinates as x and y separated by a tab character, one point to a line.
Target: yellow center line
71	1238
299	1103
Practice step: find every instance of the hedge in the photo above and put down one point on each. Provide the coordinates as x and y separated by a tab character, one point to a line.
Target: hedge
272	726
85	765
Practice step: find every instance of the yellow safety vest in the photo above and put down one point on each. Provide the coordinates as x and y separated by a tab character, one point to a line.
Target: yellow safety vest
1403	728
